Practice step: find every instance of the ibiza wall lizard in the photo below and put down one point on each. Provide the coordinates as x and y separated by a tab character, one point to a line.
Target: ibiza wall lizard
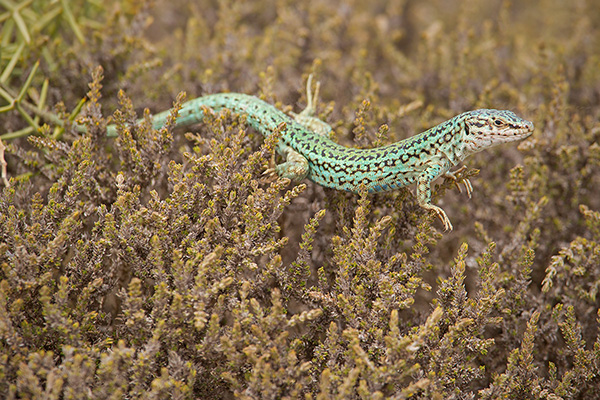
309	153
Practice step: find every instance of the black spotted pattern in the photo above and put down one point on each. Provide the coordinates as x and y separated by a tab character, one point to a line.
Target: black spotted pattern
339	167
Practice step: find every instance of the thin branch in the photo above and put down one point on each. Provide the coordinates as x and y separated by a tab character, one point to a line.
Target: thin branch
3	165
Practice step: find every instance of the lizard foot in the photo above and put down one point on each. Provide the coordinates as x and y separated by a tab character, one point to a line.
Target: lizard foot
270	175
465	181
441	214
295	166
307	117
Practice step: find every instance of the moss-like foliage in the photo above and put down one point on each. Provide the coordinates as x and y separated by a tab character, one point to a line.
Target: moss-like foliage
166	264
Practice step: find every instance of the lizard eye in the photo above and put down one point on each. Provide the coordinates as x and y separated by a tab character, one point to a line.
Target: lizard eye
498	122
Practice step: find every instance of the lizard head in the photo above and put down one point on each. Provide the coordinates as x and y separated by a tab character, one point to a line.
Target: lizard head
487	128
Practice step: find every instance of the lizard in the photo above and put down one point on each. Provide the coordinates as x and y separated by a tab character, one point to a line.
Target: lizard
310	153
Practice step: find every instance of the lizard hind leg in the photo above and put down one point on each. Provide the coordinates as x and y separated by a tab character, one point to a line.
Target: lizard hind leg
307	118
295	167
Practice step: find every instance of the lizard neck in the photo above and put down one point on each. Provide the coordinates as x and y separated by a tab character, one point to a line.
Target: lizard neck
443	141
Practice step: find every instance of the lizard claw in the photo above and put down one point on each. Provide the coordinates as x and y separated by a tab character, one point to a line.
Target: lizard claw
312	100
441	215
465	181
307	117
445	220
268	176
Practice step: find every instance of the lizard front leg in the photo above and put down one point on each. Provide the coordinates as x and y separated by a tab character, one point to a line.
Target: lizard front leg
424	194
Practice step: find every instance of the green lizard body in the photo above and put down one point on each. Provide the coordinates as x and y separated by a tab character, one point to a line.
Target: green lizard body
309	152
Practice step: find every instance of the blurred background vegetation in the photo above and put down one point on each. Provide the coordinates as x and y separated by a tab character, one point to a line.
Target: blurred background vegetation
161	265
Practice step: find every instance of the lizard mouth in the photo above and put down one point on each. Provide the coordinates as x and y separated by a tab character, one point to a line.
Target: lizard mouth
509	135
527	129
521	132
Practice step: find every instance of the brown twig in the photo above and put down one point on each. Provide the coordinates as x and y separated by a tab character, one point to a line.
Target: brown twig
3	165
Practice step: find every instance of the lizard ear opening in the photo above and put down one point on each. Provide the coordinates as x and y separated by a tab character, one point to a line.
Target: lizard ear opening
467	129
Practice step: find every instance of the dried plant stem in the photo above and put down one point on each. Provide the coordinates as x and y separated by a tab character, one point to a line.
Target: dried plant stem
3	165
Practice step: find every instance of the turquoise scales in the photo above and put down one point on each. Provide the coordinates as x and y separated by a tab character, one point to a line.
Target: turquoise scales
309	152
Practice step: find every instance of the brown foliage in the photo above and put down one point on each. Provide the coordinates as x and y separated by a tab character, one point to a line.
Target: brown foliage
164	265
